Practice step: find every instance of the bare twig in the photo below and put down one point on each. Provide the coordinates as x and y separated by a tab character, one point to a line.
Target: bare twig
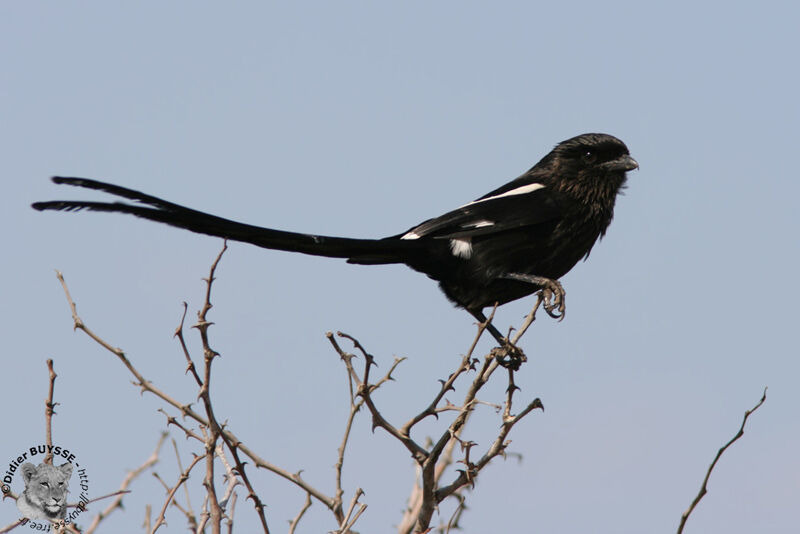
171	494
117	503
427	493
208	483
187	511
299	516
188	432
703	488
215	429
234	446
191	518
364	390
49	410
348	527
148	512
190	367
12	526
230	476
205	515
355	406
212	436
447	385
456	517
349	519
446	458
528	319
497	448
101	498
231	512
189	515
228	496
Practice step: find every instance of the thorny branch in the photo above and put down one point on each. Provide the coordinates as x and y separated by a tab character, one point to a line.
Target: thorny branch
433	458
349	519
704	486
210	422
190	367
50	404
213	433
187	510
123	489
12	526
364	390
49	410
299	516
214	427
171	493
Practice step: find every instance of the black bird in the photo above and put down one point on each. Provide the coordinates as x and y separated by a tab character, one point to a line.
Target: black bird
509	243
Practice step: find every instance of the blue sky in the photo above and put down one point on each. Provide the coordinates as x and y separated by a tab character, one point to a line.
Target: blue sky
362	119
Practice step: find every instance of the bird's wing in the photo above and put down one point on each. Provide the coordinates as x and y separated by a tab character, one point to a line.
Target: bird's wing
515	207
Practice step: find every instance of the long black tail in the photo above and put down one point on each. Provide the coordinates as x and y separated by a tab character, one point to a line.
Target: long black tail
155	209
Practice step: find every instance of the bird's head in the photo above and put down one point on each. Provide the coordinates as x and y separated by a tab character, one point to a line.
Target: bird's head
590	167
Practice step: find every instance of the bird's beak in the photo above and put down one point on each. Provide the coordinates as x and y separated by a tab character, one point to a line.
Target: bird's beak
624	163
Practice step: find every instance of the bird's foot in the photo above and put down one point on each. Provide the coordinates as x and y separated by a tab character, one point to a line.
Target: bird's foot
553	298
551	293
509	356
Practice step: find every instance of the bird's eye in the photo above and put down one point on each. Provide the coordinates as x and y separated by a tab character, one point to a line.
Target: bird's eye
589	156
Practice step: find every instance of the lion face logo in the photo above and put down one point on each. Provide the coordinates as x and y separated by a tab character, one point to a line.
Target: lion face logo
45	495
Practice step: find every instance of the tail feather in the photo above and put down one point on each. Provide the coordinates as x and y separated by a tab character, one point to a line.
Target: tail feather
370	251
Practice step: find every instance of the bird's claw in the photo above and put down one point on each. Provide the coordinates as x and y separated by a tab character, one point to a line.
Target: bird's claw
509	356
553	299
551	293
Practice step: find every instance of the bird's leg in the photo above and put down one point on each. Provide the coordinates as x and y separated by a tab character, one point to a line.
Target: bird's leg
553	295
478	314
508	355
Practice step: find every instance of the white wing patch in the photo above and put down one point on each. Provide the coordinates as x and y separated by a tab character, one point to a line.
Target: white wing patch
461	248
530	188
409	235
478	224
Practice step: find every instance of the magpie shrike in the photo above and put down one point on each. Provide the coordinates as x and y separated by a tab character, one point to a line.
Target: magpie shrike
509	243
